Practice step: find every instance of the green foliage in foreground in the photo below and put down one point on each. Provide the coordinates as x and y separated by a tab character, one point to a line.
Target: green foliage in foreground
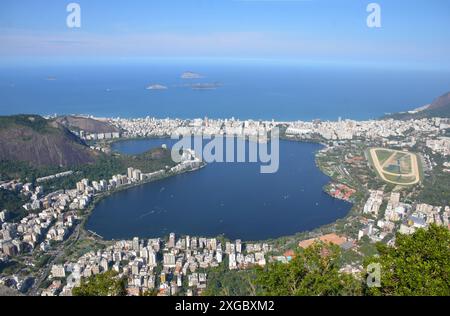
313	271
418	265
104	284
153	292
223	282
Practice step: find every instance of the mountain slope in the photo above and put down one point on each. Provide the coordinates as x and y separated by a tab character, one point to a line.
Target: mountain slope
440	107
86	124
41	142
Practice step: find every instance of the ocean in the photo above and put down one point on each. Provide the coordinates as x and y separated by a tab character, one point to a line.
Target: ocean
247	90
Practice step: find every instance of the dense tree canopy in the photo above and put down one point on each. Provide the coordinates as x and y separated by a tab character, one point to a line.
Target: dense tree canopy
313	271
225	282
104	284
419	264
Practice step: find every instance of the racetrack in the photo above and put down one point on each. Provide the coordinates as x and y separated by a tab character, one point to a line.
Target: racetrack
412	177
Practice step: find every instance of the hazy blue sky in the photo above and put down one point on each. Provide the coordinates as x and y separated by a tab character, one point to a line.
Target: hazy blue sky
412	32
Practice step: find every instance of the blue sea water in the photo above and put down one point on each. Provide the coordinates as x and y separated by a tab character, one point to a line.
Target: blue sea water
233	199
258	90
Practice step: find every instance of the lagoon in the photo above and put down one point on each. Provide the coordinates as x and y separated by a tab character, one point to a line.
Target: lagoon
233	199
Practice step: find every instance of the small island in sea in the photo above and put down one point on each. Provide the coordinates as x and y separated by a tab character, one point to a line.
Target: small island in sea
205	86
156	87
190	75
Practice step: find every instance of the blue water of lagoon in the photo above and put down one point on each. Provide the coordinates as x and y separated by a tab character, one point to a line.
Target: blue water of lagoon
231	199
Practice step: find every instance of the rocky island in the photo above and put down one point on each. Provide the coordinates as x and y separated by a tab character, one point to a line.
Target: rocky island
190	75
156	87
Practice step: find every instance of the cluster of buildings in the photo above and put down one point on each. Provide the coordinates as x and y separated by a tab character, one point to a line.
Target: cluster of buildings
424	215
96	136
152	127
374	202
86	189
392	132
27	190
372	129
38	229
341	191
54	176
170	267
189	161
439	145
254	254
147	127
398	216
46	221
16	186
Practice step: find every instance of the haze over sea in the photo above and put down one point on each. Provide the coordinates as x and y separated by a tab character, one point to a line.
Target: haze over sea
258	89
